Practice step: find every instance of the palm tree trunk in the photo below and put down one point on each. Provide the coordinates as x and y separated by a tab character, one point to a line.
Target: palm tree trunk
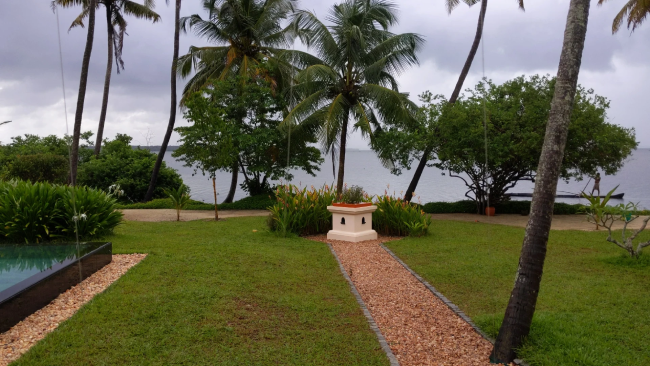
344	135
233	184
172	110
214	189
454	96
107	82
521	307
83	80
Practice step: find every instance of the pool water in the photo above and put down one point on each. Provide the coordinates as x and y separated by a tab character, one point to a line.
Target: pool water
19	262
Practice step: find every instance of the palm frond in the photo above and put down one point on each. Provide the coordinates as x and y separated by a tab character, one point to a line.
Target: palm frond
140	11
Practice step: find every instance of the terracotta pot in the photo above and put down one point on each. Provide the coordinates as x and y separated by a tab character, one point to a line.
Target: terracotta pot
489	211
352	205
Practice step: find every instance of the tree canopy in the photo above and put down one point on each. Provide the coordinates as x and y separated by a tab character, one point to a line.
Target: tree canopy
516	113
238	118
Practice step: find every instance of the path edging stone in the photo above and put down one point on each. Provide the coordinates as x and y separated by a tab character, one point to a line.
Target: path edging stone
445	300
371	321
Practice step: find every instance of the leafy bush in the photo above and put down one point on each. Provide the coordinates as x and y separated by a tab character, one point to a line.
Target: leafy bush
180	198
395	217
304	212
118	163
37	212
301	211
40	168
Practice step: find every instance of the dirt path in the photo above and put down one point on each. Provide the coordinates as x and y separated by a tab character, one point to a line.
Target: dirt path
186	215
560	222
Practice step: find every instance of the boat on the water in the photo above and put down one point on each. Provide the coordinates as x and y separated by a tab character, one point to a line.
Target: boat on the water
618	196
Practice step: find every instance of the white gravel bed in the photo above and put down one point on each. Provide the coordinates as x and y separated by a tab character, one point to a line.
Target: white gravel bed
19	339
418	326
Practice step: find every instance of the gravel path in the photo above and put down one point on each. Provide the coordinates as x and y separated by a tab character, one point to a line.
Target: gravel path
419	327
186	215
20	338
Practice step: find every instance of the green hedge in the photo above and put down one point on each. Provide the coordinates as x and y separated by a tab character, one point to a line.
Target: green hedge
38	212
511	207
261	202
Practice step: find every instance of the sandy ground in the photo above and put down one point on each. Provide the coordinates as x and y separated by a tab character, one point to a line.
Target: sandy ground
560	222
186	215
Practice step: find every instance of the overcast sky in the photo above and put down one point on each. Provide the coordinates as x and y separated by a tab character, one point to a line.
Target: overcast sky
516	43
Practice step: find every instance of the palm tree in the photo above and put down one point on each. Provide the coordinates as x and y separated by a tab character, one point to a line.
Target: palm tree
634	10
246	33
521	306
89	11
115	11
172	110
354	76
451	4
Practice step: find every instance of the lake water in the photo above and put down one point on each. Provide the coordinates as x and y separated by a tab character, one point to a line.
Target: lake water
365	170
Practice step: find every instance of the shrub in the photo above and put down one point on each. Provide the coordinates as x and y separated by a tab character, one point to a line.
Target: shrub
301	211
304	212
118	163
40	168
395	217
37	212
354	194
179	198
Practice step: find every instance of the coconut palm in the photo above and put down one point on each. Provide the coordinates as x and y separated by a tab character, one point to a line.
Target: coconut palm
521	306
246	33
172	110
451	5
115	11
354	78
634	10
89	11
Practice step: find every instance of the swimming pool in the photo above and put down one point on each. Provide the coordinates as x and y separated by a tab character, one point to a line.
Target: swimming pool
33	275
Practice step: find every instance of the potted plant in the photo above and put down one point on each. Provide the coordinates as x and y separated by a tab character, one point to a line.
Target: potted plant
490	211
352	197
352	217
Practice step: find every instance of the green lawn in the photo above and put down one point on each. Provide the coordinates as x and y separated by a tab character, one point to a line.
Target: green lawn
593	307
217	293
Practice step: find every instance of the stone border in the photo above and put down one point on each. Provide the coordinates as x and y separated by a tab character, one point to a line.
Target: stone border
366	312
442	297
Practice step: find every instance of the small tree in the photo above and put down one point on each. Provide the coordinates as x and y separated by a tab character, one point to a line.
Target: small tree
180	198
206	145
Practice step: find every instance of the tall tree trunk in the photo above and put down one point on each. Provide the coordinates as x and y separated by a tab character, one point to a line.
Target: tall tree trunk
454	96
83	80
344	136
214	189
521	307
107	82
172	110
233	184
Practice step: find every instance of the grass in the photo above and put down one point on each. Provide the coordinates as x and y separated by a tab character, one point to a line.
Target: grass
217	293
261	202
593	303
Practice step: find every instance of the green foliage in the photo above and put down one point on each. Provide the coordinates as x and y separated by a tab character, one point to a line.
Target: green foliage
180	198
304	212
395	217
301	211
40	168
37	212
353	194
516	114
118	163
235	123
351	82
598	211
39	159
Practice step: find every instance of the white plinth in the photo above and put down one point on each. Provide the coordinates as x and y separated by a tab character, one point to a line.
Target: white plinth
352	223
